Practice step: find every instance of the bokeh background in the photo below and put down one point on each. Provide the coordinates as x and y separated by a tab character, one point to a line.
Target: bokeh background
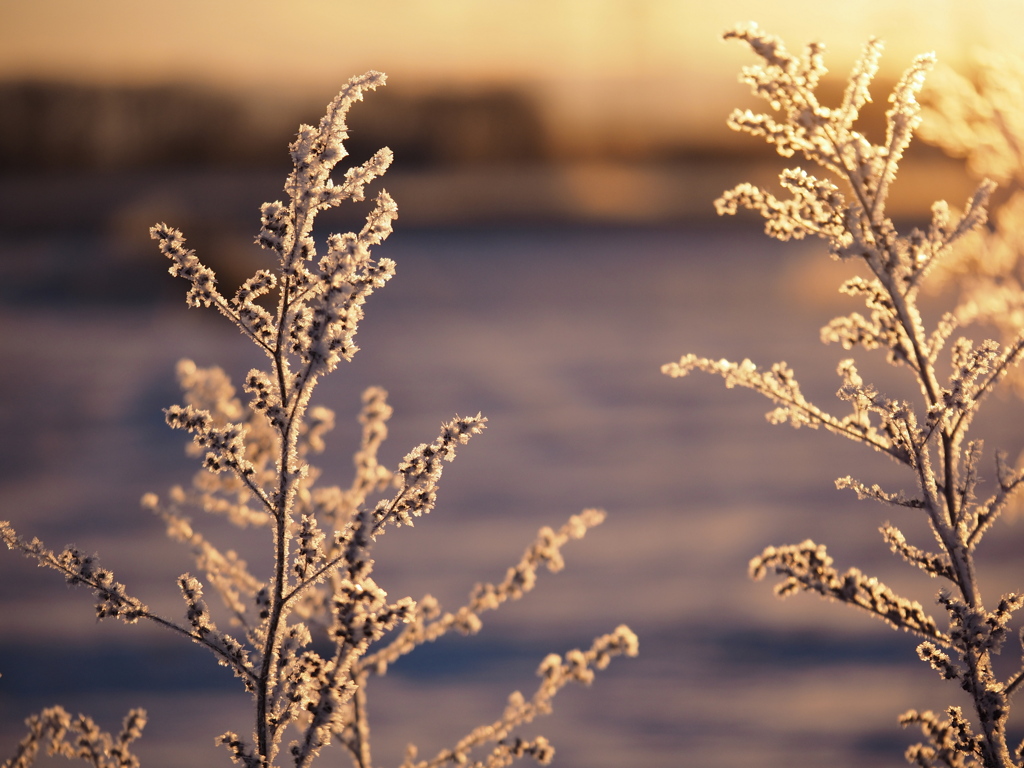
556	163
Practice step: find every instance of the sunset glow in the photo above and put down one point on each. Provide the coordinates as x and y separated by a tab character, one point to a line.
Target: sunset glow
590	60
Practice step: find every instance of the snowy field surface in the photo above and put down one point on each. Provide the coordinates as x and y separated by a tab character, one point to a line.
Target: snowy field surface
557	335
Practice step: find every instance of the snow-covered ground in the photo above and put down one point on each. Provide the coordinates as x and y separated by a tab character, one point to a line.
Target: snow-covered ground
557	335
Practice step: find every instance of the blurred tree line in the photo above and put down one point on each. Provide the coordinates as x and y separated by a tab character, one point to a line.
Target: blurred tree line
46	125
82	127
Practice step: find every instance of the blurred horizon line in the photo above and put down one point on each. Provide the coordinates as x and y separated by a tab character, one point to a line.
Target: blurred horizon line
61	125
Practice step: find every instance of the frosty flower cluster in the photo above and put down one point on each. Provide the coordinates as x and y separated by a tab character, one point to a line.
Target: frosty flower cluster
79	738
257	471
846	208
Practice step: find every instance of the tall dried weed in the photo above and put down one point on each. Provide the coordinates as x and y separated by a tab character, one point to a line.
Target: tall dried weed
845	205
305	641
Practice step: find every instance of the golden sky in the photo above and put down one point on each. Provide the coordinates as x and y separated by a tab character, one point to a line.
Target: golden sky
597	61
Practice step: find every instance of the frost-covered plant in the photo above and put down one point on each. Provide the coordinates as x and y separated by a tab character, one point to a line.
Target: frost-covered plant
982	120
257	471
928	437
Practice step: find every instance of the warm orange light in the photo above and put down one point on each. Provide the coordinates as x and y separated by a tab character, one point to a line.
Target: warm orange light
597	68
